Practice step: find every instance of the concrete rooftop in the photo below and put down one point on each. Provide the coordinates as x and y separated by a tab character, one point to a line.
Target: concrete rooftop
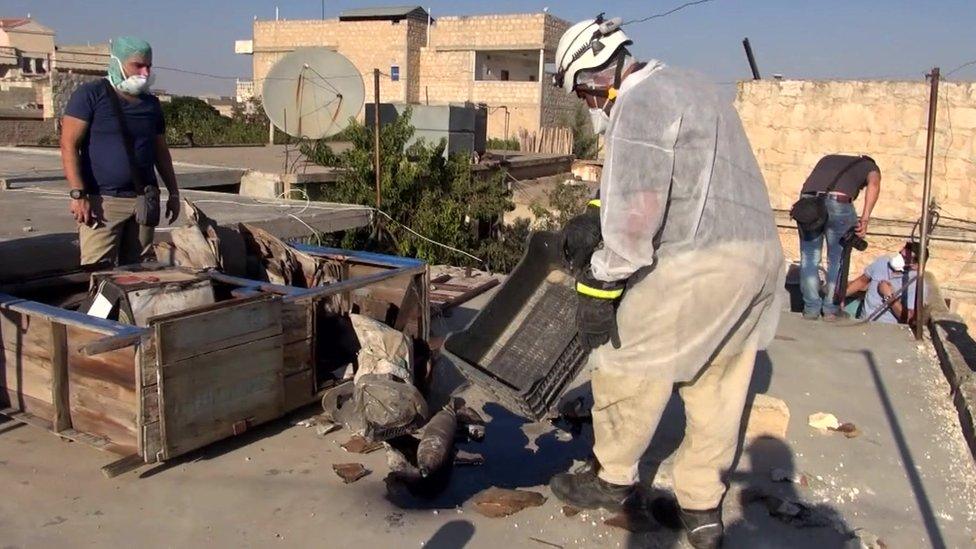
908	479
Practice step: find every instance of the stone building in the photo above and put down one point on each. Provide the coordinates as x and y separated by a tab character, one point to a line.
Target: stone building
497	60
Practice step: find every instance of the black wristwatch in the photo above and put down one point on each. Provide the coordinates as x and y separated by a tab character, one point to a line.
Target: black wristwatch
77	194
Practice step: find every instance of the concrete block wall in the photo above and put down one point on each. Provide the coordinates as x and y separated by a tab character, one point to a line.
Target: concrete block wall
792	124
25	131
509	31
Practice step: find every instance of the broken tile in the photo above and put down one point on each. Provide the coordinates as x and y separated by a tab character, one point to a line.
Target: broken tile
823	421
350	472
632	521
497	502
468	459
570	511
359	445
768	417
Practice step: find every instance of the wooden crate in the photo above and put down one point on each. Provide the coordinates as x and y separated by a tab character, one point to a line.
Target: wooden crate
192	377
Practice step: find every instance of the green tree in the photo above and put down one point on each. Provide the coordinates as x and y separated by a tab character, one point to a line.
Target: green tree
585	143
185	115
434	196
566	200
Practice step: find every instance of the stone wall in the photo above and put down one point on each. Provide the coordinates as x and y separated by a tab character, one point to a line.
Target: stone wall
792	124
63	84
484	32
25	131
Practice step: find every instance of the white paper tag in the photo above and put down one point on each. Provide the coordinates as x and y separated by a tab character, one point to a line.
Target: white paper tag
101	307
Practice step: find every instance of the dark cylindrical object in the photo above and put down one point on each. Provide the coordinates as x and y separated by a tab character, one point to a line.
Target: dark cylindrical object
926	198
436	442
752	59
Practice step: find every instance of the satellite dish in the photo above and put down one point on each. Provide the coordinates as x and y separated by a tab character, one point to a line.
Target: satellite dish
312	93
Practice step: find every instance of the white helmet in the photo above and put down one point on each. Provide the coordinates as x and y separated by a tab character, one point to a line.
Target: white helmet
587	45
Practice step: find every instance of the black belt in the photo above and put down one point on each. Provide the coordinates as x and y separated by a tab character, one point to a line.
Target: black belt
842	198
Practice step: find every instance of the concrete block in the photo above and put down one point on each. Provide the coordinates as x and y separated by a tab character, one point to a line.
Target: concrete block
769	416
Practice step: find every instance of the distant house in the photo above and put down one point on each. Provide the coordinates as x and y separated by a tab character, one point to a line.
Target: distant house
37	76
25	51
497	60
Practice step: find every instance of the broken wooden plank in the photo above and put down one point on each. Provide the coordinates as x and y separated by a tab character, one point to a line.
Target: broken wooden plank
127	464
110	343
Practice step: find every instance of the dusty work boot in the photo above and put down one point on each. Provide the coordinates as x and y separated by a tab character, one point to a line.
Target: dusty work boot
584	489
811	316
703	528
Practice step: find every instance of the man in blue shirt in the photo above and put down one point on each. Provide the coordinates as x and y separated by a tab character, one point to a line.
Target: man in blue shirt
96	165
883	278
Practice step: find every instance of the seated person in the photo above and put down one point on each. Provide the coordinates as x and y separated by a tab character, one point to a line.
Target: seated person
882	279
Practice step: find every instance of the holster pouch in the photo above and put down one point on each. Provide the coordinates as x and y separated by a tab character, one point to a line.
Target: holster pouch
148	207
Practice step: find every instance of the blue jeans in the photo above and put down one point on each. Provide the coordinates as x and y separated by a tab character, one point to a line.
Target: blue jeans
840	218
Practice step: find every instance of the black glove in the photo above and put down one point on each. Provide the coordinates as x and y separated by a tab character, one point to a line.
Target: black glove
581	236
596	313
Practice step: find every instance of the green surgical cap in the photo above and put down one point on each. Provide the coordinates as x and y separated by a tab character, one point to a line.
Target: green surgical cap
123	48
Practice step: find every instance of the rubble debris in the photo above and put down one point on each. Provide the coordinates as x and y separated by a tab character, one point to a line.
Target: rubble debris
350	472
469	459
359	445
782	475
848	429
823	421
795	513
497	502
870	541
632	521
436	441
570	511
768	417
326	428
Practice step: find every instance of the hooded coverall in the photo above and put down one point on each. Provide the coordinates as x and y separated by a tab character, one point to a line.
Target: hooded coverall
686	220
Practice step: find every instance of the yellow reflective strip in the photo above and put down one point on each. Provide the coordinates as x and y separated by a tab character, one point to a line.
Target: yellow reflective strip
597	292
611	94
594	202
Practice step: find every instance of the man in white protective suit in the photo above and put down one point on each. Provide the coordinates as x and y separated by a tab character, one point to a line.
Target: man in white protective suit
677	268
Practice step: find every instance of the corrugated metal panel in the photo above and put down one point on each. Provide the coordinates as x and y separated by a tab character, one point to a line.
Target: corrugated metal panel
394	13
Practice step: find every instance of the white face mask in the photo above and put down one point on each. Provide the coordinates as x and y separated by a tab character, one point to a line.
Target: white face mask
600	120
897	263
135	84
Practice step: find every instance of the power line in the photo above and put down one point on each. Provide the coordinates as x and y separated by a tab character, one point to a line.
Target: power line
960	67
666	13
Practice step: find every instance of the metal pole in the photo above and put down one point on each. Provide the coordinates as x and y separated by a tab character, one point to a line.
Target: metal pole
323	9
376	132
752	59
926	199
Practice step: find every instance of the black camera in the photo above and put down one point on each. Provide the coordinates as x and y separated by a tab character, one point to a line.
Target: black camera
850	239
